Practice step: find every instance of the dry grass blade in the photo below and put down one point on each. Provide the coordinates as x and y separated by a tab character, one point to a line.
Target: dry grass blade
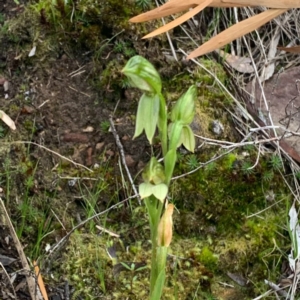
295	49
236	31
179	20
176	6
169	8
241	64
266	3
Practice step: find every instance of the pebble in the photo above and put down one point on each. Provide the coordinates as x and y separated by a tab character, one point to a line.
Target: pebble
217	127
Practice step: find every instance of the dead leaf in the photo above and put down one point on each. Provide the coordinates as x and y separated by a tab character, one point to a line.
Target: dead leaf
32	51
27	109
294	49
7	120
238	278
239	63
269	68
40	281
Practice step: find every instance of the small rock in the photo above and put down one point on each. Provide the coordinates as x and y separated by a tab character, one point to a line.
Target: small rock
217	127
72	182
169	58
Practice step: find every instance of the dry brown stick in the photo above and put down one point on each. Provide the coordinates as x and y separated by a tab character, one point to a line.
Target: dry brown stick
122	153
32	286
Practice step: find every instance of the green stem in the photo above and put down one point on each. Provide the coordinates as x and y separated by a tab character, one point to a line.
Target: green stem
164	124
154	208
161	258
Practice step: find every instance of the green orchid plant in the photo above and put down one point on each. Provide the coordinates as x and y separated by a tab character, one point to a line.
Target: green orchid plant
173	130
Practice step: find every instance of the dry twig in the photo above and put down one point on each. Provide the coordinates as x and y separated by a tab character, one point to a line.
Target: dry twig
122	154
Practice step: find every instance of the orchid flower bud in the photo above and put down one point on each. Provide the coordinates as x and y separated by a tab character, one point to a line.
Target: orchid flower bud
184	109
154	172
165	227
142	74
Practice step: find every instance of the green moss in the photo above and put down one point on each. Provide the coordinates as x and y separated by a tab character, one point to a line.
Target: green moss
228	161
215	68
29	125
215	204
208	258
